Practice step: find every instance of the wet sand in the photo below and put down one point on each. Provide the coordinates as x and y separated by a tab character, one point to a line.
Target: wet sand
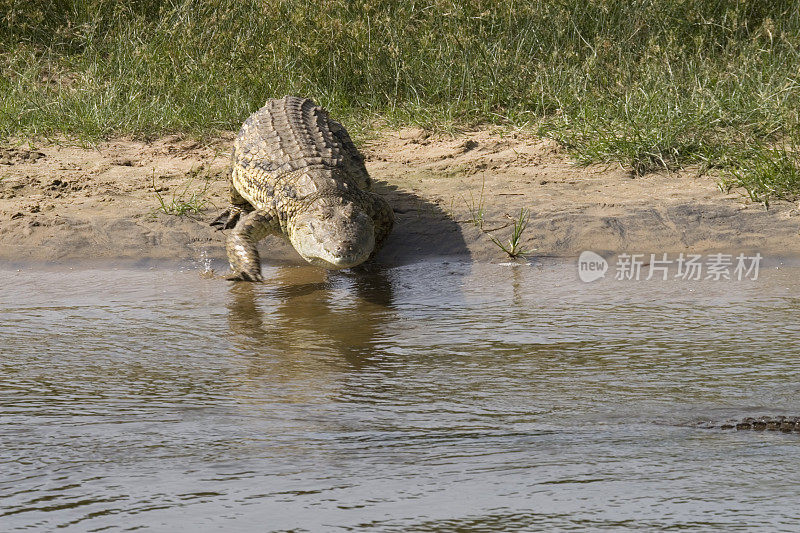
62	202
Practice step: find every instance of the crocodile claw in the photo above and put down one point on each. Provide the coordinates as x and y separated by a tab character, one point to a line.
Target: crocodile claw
245	276
227	219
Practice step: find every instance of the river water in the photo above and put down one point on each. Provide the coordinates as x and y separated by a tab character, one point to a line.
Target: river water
438	396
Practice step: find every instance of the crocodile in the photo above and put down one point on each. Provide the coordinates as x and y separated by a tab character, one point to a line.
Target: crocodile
296	173
786	424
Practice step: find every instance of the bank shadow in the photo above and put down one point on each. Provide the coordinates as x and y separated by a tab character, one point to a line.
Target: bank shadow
422	230
309	316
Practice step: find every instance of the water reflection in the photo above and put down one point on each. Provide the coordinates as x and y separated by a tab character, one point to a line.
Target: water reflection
306	313
424	398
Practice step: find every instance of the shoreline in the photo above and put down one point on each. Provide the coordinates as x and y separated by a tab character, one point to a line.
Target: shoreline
61	203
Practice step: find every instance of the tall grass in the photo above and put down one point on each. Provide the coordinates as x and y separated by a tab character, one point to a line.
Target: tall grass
651	83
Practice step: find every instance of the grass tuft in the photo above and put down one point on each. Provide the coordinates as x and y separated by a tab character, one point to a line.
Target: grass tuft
186	201
477	207
767	173
514	245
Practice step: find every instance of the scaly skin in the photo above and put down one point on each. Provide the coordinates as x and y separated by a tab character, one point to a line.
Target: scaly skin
297	173
786	424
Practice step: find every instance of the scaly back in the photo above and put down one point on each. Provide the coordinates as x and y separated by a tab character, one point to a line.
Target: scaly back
288	135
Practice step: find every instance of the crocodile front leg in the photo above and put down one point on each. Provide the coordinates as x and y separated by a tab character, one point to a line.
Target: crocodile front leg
241	244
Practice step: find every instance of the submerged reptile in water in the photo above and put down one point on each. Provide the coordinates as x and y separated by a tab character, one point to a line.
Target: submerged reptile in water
297	173
786	424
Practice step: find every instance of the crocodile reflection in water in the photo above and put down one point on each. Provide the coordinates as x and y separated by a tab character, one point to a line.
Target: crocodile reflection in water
317	315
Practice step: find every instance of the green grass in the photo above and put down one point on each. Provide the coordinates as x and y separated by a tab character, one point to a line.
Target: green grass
766	173
189	200
514	245
652	84
477	207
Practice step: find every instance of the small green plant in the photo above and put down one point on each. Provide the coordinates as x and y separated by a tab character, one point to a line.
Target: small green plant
477	208
514	246
183	201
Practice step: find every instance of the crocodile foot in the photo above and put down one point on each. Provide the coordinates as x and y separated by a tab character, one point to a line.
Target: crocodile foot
245	276
228	218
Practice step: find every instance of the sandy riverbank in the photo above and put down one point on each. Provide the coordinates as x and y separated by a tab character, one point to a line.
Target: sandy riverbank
60	202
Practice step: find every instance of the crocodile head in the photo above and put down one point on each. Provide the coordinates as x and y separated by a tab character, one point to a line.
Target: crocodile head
333	234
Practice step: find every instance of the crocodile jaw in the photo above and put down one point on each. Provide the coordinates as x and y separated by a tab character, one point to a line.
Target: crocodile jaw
333	241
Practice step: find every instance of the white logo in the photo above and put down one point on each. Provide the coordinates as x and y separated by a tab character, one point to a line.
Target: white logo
591	266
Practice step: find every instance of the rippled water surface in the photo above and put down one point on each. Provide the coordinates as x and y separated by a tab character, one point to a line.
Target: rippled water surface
429	397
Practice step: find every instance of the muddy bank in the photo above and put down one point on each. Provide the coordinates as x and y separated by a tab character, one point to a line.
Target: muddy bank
62	202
